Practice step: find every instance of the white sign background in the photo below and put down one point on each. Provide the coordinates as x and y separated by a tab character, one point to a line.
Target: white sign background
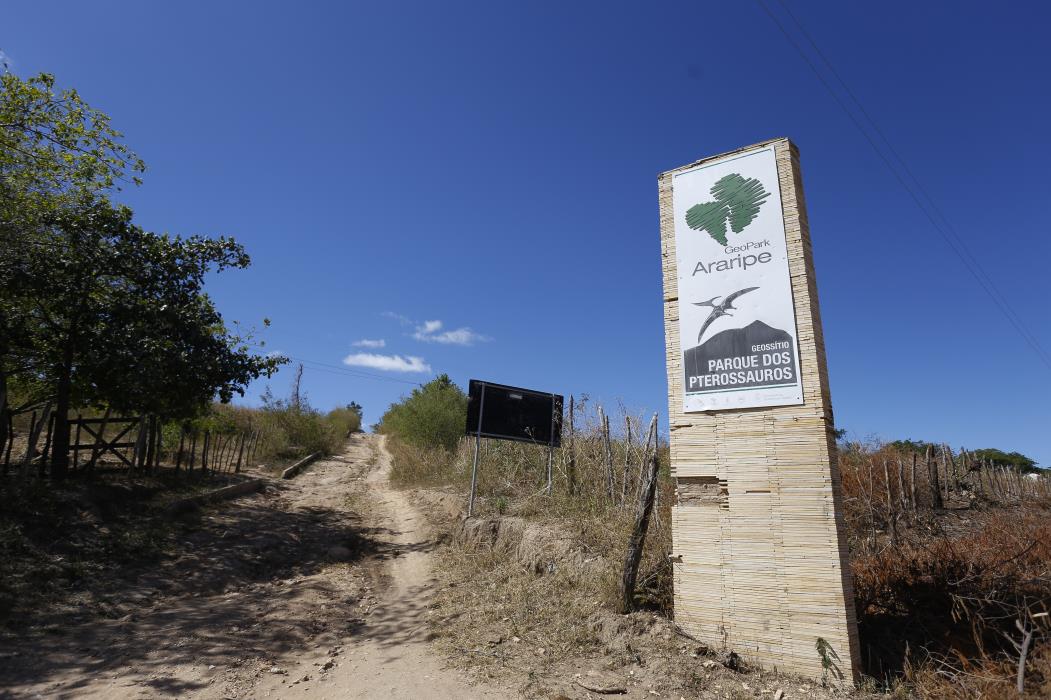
771	304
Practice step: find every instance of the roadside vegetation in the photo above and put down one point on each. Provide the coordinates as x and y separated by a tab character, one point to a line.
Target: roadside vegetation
106	329
951	550
538	567
95	311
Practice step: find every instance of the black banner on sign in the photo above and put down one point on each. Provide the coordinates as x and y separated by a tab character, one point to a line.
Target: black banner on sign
512	413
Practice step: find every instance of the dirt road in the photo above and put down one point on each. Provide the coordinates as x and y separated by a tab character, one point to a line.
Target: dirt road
317	588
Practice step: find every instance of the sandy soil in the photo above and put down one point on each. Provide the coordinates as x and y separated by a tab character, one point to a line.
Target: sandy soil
319	587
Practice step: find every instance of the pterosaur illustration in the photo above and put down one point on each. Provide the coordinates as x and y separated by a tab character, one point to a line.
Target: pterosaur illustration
721	309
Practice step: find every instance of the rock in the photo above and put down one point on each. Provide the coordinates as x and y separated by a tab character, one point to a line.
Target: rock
779	694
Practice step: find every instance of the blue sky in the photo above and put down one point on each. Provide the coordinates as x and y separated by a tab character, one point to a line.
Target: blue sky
492	166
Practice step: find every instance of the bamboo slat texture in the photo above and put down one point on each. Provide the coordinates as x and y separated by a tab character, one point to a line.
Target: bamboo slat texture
764	569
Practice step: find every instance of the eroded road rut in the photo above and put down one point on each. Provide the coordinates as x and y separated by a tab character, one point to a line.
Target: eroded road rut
317	588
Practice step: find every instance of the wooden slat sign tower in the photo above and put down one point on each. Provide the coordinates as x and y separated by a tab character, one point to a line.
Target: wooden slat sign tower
759	542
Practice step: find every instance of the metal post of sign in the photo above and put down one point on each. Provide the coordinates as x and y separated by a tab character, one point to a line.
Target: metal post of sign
551	446
477	443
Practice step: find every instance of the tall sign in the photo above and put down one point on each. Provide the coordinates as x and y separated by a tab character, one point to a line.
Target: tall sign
737	320
758	533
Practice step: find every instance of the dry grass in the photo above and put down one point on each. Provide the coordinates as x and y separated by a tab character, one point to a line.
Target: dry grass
937	591
488	598
512	479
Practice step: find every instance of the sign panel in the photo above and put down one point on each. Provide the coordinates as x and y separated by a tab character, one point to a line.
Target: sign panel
737	324
511	413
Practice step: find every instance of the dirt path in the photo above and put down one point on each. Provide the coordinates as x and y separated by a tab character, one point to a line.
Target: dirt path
288	594
392	657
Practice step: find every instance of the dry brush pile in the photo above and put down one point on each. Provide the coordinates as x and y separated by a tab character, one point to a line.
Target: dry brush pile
952	570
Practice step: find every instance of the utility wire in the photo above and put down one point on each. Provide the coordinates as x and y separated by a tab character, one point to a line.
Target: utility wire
952	239
977	270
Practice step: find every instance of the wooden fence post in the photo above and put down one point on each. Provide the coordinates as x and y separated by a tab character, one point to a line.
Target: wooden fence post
138	458
158	454
34	436
99	442
204	452
912	482
651	436
182	442
45	458
932	480
76	443
10	442
217	452
255	445
902	498
892	514
627	459
609	455
571	467
193	450
240	453
638	538
5	419
151	439
31	440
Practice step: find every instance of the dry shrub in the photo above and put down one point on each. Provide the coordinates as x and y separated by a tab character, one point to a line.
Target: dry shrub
989	680
512	478
286	431
942	606
488	597
422	466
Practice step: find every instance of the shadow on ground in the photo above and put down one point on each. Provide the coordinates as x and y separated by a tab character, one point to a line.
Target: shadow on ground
253	562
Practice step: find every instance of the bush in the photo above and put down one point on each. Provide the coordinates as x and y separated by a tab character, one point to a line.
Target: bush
433	415
286	431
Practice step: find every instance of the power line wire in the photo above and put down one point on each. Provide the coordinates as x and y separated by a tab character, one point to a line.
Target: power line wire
957	246
977	270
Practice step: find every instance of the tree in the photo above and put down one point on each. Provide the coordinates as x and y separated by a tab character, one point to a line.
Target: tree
94	309
56	153
1014	460
431	416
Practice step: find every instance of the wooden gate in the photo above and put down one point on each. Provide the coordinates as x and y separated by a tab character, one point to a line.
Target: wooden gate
93	431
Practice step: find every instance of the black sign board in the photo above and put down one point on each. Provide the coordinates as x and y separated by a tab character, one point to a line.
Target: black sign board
511	413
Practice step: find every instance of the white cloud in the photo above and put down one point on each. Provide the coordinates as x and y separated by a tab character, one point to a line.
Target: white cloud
389	363
429	327
374	344
431	331
460	336
428	333
403	320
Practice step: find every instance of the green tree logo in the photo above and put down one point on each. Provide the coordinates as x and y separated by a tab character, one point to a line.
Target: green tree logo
737	199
